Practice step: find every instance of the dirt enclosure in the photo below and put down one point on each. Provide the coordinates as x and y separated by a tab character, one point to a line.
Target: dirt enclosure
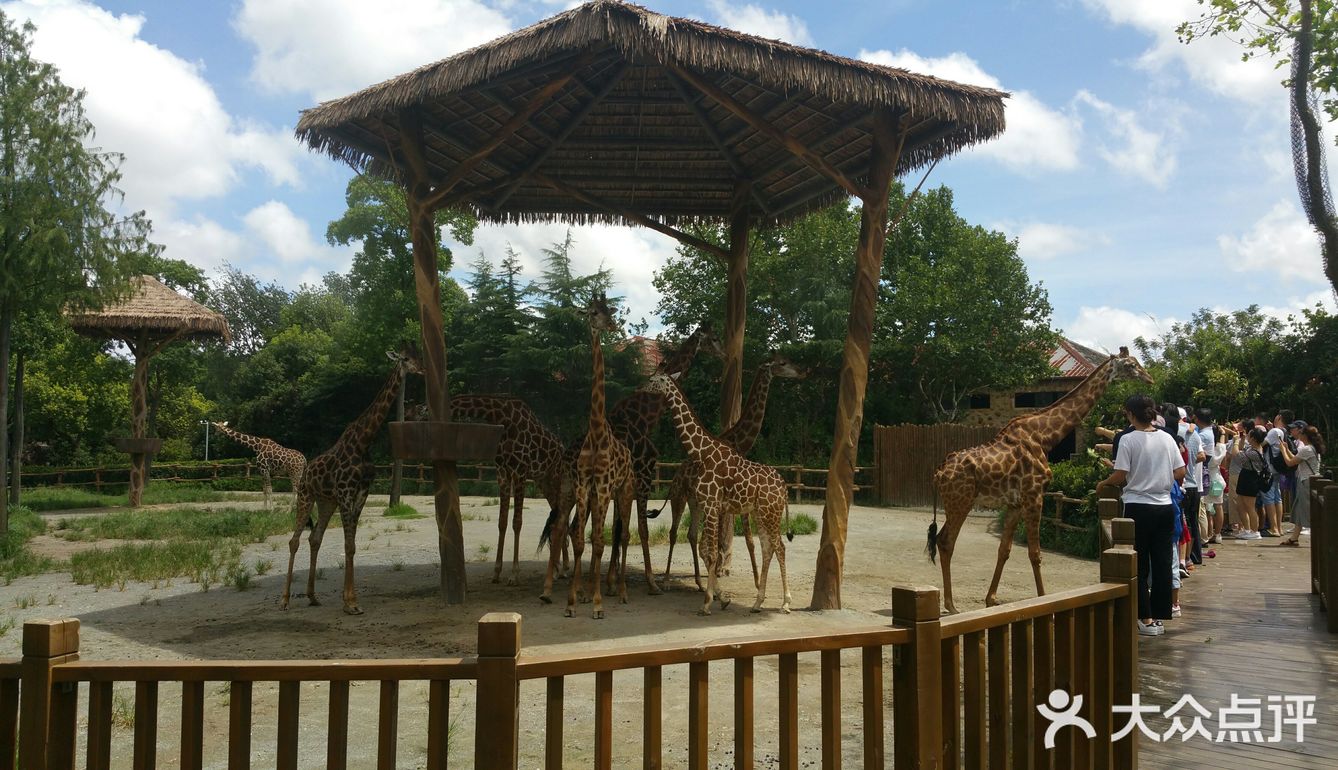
397	581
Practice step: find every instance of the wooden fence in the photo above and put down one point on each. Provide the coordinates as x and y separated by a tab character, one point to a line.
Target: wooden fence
906	456
1324	546
417	476
964	691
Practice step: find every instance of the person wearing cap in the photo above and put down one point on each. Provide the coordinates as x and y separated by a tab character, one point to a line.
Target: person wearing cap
1306	461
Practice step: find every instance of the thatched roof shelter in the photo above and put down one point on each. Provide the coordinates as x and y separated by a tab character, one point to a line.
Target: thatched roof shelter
635	110
154	310
612	113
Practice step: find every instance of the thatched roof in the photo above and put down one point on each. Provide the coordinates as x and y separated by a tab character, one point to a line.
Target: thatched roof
633	132
153	309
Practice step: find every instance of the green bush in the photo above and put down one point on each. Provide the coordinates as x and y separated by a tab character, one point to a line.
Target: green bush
178	523
16	559
1075	479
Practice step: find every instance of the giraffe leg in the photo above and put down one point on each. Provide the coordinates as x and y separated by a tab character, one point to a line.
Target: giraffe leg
676	504
557	541
710	551
694	534
748	541
955	513
623	510
519	497
767	548
1005	545
727	544
303	507
1033	516
577	537
779	547
350	548
323	513
643	529
504	500
265	486
597	554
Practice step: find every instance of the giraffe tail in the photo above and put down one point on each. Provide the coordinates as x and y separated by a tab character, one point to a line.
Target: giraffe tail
932	548
656	515
547	532
789	528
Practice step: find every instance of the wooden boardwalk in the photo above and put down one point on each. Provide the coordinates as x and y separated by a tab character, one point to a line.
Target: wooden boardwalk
1250	627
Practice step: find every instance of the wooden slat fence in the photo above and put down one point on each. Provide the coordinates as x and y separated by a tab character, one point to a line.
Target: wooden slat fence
964	691
906	456
1324	547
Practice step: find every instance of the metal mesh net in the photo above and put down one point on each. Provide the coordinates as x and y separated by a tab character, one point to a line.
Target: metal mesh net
1299	155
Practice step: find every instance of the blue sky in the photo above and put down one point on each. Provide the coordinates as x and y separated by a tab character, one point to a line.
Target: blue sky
1142	178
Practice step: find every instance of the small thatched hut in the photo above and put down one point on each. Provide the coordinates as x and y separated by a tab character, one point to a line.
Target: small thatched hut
151	317
610	112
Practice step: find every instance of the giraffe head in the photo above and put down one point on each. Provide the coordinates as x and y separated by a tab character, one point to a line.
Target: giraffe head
662	383
407	359
709	343
784	368
599	315
1125	367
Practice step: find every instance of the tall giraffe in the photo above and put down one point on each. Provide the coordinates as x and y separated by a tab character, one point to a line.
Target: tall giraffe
740	437
603	475
339	479
728	484
528	451
634	421
1011	472
272	457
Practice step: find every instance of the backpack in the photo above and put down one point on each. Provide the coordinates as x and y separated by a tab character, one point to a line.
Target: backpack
1275	457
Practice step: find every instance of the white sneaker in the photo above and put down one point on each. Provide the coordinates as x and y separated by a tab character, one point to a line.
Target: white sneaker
1175	611
1150	629
1253	535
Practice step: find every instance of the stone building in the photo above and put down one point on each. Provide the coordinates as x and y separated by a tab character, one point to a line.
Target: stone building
1072	362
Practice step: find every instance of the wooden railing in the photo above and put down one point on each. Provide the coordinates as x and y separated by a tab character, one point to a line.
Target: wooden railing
1324	547
964	691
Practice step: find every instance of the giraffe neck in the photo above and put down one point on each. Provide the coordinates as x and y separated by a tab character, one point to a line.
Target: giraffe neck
1050	425
681	360
357	437
597	424
251	442
695	438
743	434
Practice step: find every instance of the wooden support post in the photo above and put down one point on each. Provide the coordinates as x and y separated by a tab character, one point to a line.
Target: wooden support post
1107	509
736	313
1120	565
916	687
1330	531
397	469
1122	533
855	364
43	742
1317	486
498	704
139	423
423	229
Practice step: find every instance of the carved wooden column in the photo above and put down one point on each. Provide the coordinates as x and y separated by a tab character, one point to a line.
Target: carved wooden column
736	312
855	363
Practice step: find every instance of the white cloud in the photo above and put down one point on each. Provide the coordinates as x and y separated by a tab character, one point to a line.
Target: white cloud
756	20
328	48
283	234
1294	305
154	107
1136	151
1041	241
1281	244
1214	62
1107	328
1038	137
632	254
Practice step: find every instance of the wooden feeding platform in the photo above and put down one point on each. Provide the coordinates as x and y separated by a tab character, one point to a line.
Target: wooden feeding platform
138	446
437	441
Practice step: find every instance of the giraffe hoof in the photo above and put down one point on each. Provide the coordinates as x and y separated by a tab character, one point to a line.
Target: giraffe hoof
352	610
314	602
545	598
786	609
991	601
496	579
704	612
597	614
724	603
757	608
513	581
569	612
653	589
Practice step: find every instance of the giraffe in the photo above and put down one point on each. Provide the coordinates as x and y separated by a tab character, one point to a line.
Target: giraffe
634	420
528	451
740	437
603	475
272	457
728	484
339	478
1011	471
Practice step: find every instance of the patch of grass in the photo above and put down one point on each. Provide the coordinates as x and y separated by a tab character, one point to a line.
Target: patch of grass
239	577
123	711
397	565
492	501
482	553
402	511
800	524
263	566
24	602
16	559
178	523
6	625
63	498
201	562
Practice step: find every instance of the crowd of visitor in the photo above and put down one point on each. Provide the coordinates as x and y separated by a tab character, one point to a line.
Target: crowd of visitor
1190	483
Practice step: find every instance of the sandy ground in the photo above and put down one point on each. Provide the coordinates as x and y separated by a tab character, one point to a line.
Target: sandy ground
397	583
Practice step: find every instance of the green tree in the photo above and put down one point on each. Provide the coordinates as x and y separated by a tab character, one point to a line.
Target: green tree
62	243
252	308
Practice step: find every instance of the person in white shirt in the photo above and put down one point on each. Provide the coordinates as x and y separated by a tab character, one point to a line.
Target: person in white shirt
1306	461
1214	494
1148	466
1198	453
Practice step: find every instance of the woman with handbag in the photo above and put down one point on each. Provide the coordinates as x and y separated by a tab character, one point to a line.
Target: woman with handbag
1254	478
1309	447
1148	466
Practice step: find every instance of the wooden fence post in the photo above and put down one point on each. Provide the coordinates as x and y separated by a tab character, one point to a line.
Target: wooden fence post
917	680
47	712
1317	487
1120	565
1107	510
1122	533
497	708
1330	574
